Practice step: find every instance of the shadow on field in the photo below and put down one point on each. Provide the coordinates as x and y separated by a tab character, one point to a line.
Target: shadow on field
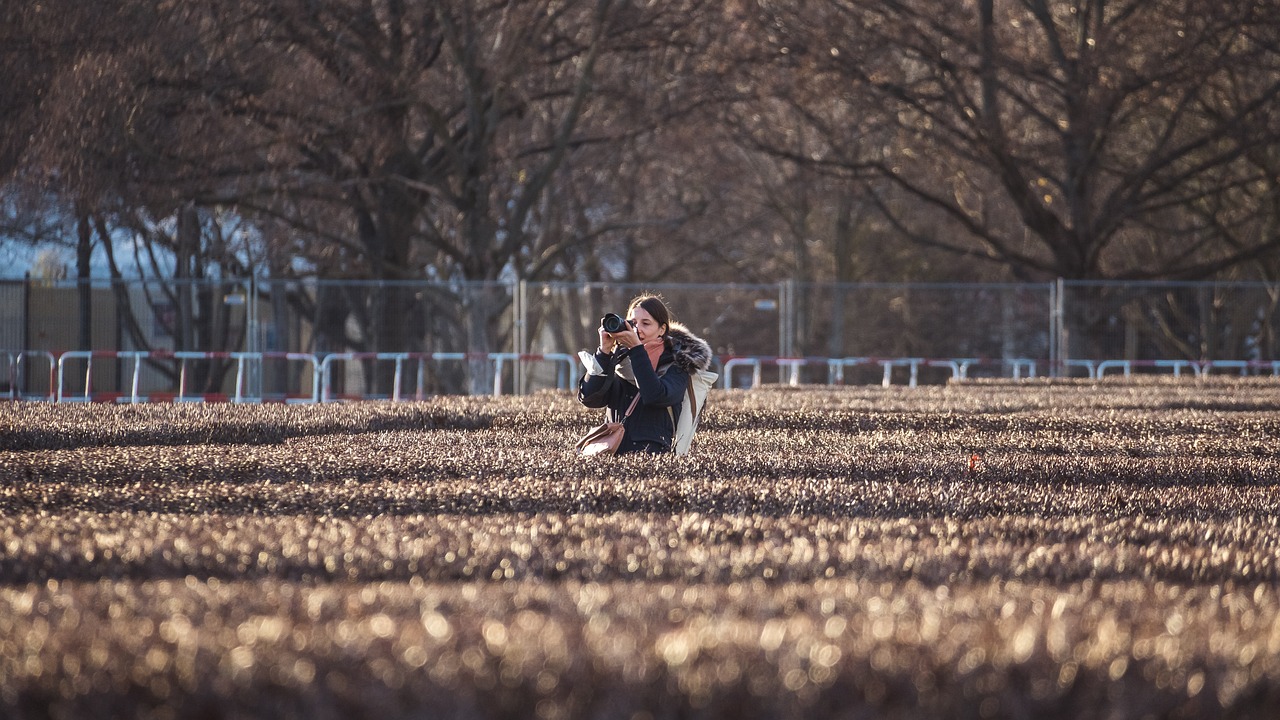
253	425
1009	422
937	574
939	496
622	548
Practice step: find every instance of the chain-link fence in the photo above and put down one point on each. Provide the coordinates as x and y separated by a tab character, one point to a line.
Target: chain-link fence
985	323
192	331
1145	322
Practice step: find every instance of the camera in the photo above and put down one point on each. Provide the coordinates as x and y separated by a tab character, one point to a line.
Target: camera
613	323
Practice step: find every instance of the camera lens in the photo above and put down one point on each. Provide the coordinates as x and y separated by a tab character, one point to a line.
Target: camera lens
613	323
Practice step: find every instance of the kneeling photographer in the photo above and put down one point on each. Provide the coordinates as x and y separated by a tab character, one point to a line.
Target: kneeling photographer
641	373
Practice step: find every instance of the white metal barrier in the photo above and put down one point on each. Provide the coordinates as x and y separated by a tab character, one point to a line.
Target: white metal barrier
321	371
321	385
1098	369
1124	365
836	368
959	368
19	363
1241	365
790	365
1017	368
1017	365
247	362
244	363
912	363
565	363
726	378
1177	365
399	359
87	356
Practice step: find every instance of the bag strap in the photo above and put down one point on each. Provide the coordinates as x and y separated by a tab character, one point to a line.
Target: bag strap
631	407
693	402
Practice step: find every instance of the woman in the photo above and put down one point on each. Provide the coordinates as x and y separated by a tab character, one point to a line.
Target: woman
653	357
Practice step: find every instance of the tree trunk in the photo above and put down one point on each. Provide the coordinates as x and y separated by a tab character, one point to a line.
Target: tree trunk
84	288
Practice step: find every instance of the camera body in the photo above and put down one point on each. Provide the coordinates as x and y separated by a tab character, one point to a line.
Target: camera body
613	323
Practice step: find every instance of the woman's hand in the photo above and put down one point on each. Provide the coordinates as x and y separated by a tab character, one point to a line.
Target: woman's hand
626	338
607	343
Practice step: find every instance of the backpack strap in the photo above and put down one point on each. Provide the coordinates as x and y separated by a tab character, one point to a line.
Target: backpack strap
693	409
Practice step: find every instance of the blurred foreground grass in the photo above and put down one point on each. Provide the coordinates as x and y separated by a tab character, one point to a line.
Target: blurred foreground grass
1050	550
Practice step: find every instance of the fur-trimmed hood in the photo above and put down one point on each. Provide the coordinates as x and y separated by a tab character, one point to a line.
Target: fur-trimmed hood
690	351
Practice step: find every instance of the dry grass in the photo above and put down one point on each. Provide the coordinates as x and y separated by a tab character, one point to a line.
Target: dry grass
1049	550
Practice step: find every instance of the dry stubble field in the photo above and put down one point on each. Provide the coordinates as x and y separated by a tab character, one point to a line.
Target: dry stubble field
1047	550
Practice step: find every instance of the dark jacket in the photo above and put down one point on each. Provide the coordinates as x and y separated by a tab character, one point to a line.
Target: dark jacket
662	390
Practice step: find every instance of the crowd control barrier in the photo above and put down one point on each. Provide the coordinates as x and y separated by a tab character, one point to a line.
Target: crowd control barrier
67	384
20	368
1098	369
317	372
790	368
1016	368
245	363
400	359
564	363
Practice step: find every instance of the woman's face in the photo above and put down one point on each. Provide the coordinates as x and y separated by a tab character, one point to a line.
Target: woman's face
646	327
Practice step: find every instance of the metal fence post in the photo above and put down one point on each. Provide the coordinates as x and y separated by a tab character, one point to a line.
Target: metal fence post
1053	325
253	340
519	332
786	320
1058	335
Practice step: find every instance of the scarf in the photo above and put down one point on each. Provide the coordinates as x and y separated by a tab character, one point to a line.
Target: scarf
655	348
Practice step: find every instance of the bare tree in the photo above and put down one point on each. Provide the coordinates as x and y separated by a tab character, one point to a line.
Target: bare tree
1077	139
